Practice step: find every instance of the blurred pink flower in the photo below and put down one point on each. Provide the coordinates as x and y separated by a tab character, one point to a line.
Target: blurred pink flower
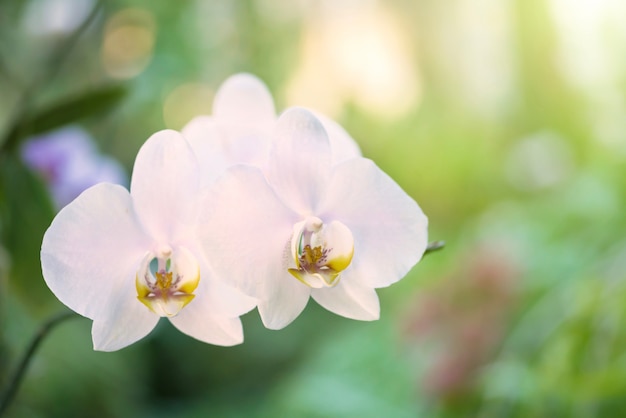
465	316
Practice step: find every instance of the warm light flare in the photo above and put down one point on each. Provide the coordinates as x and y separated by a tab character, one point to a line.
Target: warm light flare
128	43
359	55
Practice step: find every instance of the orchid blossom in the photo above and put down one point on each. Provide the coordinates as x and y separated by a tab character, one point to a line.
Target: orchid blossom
308	226
125	259
241	127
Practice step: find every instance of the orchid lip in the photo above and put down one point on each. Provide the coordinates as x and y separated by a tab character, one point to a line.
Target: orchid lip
320	252
166	280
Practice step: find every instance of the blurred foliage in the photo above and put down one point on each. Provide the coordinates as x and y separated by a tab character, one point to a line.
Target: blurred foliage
71	110
514	144
23	226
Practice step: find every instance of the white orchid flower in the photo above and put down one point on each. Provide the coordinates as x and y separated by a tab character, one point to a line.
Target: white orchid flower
125	259
241	127
309	227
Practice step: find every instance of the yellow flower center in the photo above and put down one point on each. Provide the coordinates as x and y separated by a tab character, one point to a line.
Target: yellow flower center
166	280
320	252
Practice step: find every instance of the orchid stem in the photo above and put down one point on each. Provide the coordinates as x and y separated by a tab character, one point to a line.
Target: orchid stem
16	379
434	246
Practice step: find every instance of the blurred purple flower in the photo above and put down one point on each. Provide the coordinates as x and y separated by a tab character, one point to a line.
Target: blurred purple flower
69	163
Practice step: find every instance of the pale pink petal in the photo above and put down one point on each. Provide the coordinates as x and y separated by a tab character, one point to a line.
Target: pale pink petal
282	299
299	166
239	129
389	228
245	230
246	238
224	300
243	100
209	147
341	143
217	297
164	185
125	320
350	299
244	115
92	249
195	321
252	149
218	146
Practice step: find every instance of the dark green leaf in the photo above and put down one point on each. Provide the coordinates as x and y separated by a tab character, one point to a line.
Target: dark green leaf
65	111
26	212
76	108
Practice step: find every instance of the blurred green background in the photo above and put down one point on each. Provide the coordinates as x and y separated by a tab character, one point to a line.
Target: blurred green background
504	119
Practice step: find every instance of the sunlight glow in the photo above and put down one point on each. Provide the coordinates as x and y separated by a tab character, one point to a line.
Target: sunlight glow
128	43
186	101
360	55
592	38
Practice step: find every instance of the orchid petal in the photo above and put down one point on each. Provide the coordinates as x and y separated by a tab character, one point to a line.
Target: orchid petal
213	315
207	144
349	299
125	319
164	185
222	140
198	322
282	299
92	249
299	166
224	300
245	230
243	97
389	228
246	236
341	143
218	297
250	148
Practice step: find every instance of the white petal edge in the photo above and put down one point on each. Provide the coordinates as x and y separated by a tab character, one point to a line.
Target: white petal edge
223	299
164	185
389	228
218	330
300	160
282	300
207	144
91	248
343	146
245	233
213	315
218	297
125	321
244	229
349	299
243	97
